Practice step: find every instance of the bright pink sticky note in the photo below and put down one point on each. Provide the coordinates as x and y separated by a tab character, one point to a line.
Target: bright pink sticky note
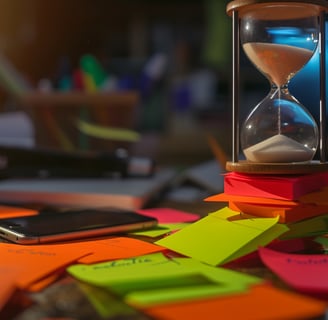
304	272
168	215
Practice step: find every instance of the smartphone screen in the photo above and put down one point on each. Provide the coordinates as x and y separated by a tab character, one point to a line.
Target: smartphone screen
72	224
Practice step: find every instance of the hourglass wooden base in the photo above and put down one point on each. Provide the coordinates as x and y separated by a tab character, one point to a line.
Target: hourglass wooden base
244	166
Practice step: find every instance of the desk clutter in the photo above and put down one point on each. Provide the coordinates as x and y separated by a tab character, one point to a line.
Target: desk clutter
189	266
84	108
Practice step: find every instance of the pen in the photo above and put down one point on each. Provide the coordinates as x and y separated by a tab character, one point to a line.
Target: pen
44	163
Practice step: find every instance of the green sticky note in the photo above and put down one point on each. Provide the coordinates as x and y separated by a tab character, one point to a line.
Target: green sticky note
307	228
223	236
323	241
153	279
107	304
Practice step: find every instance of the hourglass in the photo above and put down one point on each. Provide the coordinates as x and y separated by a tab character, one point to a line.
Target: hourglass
279	38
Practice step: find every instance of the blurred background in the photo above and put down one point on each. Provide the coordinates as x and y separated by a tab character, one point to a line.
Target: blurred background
175	54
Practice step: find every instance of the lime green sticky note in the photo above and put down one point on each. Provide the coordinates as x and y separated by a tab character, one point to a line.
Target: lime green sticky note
220	237
153	279
323	241
195	281
107	304
265	238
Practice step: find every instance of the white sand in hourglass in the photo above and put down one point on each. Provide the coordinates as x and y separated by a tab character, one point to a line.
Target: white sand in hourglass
278	148
279	62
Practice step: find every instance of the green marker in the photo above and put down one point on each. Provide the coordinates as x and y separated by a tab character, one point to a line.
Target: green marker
92	67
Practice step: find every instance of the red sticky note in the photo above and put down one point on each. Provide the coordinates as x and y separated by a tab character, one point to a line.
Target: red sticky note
287	187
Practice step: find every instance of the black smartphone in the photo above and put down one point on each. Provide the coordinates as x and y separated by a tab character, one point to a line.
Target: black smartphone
72	224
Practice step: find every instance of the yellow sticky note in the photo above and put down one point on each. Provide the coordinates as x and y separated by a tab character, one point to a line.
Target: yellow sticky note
109	133
219	238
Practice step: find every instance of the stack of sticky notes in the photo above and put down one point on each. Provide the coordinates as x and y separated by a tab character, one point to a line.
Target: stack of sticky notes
292	198
284	187
260	210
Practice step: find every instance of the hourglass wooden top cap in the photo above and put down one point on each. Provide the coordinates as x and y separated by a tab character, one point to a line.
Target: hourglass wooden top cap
277	9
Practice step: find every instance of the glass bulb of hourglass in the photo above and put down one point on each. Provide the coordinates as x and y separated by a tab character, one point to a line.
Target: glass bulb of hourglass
279	129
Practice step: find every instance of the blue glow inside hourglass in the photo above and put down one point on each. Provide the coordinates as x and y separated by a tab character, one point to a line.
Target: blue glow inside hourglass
279	40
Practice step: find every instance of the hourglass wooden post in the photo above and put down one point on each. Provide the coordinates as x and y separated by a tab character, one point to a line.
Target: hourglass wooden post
323	91
279	136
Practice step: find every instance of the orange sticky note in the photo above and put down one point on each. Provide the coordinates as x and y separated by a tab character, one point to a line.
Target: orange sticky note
259	303
38	261
11	212
307	206
41	262
224	197
286	214
42	283
8	286
116	248
319	197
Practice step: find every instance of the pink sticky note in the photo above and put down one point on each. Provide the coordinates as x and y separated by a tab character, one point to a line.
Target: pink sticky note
168	215
304	272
